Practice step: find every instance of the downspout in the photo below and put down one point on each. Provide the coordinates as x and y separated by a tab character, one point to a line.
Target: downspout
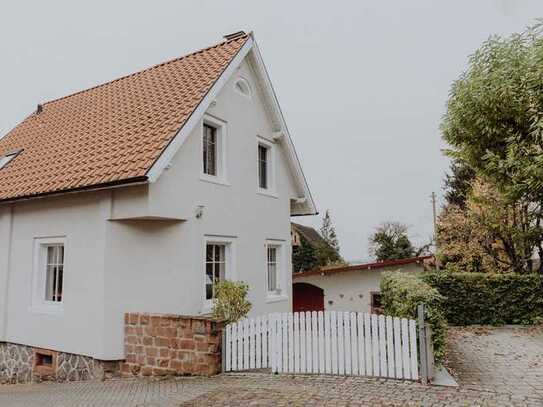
7	267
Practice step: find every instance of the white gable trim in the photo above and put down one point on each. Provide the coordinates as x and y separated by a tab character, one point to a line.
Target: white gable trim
282	134
167	155
250	50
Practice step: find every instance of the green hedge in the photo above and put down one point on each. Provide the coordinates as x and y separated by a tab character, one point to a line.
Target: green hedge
402	292
489	299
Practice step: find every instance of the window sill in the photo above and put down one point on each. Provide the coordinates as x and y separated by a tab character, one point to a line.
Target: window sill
214	180
268	193
47	309
275	298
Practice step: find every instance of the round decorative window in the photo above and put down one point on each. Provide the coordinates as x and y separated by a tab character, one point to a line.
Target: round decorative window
242	86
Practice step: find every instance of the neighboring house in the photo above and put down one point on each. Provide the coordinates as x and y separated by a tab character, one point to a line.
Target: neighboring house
349	288
310	250
139	194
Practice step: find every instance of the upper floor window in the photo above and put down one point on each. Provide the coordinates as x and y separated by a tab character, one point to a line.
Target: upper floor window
213	150
209	146
6	158
263	166
242	86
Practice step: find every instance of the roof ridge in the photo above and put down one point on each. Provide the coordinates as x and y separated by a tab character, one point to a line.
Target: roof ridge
244	37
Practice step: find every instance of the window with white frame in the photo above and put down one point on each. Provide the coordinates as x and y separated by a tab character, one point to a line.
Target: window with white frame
6	158
54	270
49	274
213	150
263	166
243	87
215	267
209	147
273	266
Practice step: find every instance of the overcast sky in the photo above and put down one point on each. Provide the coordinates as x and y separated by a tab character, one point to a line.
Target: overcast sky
362	84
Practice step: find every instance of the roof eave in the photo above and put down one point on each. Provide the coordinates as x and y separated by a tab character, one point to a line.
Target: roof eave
95	187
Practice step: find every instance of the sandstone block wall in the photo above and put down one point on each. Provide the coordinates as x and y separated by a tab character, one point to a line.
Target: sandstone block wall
159	345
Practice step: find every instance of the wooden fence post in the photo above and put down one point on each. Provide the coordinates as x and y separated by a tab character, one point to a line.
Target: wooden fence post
422	344
223	349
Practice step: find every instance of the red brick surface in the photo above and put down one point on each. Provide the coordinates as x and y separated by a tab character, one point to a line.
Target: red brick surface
161	345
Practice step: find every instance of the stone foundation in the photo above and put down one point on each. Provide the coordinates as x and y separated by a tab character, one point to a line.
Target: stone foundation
160	345
25	364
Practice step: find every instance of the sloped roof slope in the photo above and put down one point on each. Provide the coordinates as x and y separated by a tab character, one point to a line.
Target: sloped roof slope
112	133
313	237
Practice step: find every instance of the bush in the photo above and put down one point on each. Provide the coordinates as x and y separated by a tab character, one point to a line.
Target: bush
231	303
401	293
488	298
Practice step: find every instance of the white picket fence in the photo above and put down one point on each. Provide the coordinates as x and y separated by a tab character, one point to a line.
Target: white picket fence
342	343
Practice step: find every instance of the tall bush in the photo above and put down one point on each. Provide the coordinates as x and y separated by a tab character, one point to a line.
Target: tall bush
231	303
401	293
489	298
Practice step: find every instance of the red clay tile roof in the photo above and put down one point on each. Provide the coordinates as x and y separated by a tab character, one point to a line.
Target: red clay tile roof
367	266
112	133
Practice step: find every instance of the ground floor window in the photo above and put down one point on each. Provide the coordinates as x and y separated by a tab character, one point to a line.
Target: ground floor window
49	274
54	270
376	305
273	258
215	267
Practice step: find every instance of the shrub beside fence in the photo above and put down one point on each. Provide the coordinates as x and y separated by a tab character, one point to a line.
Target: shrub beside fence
401	293
489	299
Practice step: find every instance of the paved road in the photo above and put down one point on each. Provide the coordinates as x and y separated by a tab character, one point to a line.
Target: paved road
495	367
504	359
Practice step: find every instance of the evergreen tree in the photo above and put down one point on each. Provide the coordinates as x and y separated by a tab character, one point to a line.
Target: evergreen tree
458	183
304	257
328	232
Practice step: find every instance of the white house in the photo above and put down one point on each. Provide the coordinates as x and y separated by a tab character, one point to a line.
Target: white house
348	288
137	195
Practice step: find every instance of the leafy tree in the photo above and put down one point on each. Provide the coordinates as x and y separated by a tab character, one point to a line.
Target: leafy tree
390	242
328	231
461	241
494	122
231	303
304	257
494	118
491	233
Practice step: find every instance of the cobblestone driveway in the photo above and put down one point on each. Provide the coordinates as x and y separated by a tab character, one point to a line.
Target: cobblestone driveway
495	367
253	389
503	359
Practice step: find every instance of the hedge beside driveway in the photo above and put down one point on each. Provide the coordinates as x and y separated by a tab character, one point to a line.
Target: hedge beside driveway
401	293
489	299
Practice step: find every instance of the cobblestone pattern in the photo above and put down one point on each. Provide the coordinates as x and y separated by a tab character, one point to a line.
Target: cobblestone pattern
503	359
16	366
253	390
15	363
161	345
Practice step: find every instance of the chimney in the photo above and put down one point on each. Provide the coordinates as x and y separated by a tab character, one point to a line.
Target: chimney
39	109
235	35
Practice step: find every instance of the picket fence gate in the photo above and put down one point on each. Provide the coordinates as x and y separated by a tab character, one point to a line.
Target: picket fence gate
338	343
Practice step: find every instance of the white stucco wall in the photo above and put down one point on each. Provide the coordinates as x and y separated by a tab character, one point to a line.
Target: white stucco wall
113	266
350	291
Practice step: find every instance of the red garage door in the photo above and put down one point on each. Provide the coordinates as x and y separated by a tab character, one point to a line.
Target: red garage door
307	297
